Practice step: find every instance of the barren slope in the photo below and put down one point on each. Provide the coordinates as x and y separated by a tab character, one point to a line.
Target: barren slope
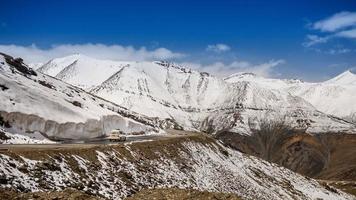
117	171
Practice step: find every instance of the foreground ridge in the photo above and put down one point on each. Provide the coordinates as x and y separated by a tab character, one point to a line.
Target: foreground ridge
192	161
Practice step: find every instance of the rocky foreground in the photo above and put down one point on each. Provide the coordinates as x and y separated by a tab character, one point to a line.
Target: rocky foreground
327	156
122	170
147	194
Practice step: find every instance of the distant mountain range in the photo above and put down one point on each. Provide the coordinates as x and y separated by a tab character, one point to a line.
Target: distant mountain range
200	101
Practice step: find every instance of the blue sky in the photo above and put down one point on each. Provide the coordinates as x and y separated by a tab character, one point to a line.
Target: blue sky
271	38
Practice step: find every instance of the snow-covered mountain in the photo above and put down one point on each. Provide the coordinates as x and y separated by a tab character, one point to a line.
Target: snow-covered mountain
336	96
34	102
195	100
81	70
148	97
346	78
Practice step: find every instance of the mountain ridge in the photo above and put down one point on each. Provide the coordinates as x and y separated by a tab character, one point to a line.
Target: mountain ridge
35	102
165	90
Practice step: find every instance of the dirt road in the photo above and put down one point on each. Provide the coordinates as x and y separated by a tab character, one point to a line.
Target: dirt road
93	143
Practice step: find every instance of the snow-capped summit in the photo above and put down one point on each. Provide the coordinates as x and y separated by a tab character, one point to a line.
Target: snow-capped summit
193	99
240	76
81	70
345	78
269	83
334	97
54	66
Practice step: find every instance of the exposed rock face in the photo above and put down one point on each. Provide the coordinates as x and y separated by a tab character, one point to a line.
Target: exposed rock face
302	153
324	156
19	65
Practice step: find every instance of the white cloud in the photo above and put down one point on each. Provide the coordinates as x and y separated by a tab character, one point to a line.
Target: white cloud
223	70
347	33
336	22
218	48
338	51
332	51
339	25
314	39
33	54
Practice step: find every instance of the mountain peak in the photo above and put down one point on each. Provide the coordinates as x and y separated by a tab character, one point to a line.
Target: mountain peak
240	76
173	65
347	73
345	78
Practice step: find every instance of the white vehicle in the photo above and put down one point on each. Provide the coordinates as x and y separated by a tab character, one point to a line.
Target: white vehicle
116	136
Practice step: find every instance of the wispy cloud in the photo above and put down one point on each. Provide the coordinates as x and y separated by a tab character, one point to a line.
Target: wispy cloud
33	54
339	25
221	69
336	22
338	51
314	39
347	34
218	48
332	51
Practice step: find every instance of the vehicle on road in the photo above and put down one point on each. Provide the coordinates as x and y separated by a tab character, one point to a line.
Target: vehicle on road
116	136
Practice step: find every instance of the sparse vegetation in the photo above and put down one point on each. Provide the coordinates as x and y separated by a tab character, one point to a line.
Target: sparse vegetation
178	194
68	194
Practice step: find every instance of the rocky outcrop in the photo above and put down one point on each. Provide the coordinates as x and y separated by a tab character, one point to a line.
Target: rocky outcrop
19	65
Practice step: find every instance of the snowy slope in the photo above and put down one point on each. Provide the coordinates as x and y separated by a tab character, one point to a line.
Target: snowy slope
163	91
35	66
345	78
335	96
54	66
197	100
116	172
33	101
15	138
81	70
